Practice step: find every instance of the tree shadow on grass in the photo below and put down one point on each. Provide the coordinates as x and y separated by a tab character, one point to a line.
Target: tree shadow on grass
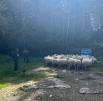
17	77
7	75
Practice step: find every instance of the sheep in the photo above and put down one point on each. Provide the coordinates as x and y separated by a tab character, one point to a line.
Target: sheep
55	62
78	63
86	62
94	60
71	62
47	60
62	62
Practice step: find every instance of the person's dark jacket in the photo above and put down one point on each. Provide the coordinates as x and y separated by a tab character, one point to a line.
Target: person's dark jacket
15	55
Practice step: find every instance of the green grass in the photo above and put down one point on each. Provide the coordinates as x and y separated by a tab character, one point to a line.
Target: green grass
9	77
2	85
99	64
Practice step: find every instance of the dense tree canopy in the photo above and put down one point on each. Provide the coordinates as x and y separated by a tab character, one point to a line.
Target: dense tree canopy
51	26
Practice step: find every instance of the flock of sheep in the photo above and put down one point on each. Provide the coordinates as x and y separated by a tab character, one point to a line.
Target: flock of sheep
70	61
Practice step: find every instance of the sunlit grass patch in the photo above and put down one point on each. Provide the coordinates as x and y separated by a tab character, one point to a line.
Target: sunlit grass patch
39	69
42	69
2	85
46	71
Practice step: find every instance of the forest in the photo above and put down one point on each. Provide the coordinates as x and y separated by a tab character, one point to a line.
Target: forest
51	26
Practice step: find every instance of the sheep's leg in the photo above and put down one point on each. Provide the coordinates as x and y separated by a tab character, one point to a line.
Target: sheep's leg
75	67
78	67
68	66
85	68
65	66
59	66
52	65
82	67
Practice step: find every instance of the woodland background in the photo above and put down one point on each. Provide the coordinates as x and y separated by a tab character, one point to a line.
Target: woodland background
48	27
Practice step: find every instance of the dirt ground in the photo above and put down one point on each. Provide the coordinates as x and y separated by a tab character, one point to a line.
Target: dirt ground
92	79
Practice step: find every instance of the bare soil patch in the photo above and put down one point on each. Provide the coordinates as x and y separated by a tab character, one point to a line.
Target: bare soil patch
92	79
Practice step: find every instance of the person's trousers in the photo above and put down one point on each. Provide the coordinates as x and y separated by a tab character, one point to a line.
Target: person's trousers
15	65
26	58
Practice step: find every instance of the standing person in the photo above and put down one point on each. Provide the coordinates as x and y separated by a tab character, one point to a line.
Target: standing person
26	57
15	56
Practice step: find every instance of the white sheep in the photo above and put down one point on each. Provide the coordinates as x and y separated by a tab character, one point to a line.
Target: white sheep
86	62
55	62
63	62
78	63
47	60
71	62
94	60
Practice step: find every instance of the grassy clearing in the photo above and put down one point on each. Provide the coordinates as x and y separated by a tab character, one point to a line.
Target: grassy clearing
29	71
9	77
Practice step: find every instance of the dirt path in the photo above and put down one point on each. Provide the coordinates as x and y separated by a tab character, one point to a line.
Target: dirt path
92	79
